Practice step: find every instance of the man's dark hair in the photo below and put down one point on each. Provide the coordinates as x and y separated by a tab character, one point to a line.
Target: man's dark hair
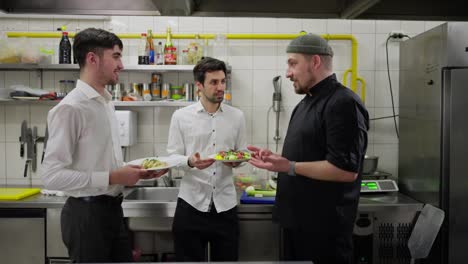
207	65
93	40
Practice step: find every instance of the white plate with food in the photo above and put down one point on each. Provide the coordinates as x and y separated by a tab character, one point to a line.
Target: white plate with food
232	156
156	163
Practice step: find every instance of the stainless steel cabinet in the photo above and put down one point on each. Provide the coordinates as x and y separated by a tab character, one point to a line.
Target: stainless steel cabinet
22	236
259	237
55	246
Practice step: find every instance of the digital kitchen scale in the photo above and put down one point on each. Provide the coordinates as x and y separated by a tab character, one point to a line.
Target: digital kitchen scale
374	186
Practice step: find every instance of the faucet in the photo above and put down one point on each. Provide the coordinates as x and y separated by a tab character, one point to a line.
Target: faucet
167	178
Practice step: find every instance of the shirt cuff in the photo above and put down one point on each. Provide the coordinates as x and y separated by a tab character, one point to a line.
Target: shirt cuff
100	179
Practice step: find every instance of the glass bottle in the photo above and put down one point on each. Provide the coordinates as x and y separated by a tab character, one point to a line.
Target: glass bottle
74	56
228	90
183	57
194	50
159	57
142	55
170	56
65	49
150	46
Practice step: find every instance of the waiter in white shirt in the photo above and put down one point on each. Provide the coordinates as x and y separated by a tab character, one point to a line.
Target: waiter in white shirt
84	159
207	205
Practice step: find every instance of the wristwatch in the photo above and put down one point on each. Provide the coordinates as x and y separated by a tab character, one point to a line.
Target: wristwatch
292	168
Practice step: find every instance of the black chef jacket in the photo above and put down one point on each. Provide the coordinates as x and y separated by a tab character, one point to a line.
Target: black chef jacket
331	124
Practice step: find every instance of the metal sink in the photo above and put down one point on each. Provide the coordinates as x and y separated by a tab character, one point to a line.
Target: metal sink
160	194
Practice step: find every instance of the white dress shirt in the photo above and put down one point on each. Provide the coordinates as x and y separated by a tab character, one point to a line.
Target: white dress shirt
195	130
83	145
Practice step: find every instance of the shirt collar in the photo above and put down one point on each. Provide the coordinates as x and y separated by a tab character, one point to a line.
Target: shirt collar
91	93
199	107
323	85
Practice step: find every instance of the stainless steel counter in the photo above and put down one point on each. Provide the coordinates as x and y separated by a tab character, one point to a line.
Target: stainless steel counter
257	230
135	208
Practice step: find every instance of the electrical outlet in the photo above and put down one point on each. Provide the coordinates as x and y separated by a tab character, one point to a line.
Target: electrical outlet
397	35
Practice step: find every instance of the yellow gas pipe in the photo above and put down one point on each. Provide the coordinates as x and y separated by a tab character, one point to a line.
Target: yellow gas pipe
352	70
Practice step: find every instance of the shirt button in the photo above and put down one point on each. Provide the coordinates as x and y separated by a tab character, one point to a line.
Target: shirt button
213	130
214	144
214	173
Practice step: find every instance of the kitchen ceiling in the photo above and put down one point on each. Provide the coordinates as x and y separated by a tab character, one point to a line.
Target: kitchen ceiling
449	10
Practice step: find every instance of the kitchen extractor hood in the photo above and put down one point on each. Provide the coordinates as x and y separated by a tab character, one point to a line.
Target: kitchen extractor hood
448	10
100	7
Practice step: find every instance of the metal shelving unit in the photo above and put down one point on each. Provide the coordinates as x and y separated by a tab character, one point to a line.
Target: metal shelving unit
71	67
118	104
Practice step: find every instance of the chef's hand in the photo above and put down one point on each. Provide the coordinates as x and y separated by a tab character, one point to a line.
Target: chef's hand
199	163
258	153
128	175
265	159
232	164
154	174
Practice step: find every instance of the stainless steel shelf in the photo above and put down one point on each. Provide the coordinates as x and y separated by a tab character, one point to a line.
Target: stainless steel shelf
71	67
153	103
116	103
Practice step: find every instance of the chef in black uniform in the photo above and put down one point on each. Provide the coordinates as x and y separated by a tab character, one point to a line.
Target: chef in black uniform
320	167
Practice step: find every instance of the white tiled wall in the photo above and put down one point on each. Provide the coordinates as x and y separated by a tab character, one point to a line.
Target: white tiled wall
254	64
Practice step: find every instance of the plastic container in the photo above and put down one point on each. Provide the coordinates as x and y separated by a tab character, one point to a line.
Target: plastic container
147	92
165	91
177	92
156	91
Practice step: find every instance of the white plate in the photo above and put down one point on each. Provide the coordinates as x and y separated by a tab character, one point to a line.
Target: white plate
213	156
171	162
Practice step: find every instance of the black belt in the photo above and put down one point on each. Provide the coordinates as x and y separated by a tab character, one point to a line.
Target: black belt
101	198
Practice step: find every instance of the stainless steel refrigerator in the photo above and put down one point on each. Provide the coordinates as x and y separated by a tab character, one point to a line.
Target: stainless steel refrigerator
433	120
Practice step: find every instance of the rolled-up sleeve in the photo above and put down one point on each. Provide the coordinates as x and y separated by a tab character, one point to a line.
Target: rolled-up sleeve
346	124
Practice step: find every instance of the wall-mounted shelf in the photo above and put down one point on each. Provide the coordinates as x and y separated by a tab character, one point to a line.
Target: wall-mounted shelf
70	67
166	103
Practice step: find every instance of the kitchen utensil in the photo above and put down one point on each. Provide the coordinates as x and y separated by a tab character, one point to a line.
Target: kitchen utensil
46	138
34	154
425	231
30	151
17	193
370	164
23	138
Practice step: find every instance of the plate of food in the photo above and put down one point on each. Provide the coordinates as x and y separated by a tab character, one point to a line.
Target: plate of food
232	156
156	163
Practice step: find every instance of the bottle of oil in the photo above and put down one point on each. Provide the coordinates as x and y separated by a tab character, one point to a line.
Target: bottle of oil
150	46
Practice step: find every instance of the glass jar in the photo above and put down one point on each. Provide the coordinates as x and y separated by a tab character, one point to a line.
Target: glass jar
170	56
69	85
62	86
